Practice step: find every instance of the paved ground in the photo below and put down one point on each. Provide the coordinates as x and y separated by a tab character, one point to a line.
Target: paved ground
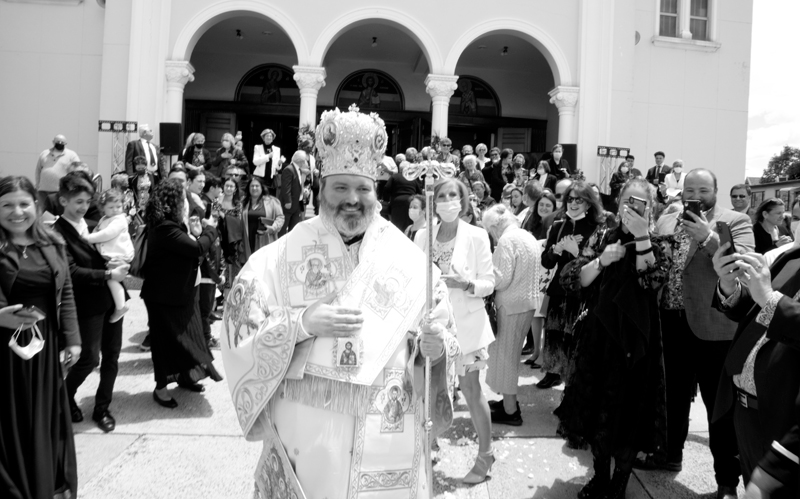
197	450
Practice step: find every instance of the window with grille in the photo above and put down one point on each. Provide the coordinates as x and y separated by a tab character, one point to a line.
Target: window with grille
668	20
698	19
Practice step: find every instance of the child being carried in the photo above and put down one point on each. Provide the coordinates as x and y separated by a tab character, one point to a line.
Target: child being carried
113	242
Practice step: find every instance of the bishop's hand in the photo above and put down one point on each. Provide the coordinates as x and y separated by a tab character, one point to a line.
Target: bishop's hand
431	343
326	320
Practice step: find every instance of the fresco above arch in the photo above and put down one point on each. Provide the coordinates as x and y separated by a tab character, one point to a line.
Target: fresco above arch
370	89
268	84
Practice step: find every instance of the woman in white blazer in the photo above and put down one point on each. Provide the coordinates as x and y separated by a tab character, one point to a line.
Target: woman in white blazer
674	179
462	253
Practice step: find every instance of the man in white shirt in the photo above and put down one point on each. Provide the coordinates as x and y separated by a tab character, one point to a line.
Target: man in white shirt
53	164
143	147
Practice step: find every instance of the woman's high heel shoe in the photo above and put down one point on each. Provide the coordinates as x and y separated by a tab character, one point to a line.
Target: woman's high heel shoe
483	465
169	404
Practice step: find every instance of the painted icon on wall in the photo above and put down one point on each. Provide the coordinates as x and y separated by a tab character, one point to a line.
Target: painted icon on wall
370	90
474	97
268	84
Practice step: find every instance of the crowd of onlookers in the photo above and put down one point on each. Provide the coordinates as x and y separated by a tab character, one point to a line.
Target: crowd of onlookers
633	299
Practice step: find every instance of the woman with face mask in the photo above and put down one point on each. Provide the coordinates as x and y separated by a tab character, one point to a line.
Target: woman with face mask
559	166
619	177
461	251
674	179
228	155
397	193
769	230
37	319
416	212
583	225
197	156
543	177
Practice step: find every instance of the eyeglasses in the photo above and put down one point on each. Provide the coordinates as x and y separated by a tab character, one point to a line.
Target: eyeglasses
738	196
578	201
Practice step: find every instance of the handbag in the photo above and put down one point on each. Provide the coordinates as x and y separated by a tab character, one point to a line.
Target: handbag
139	252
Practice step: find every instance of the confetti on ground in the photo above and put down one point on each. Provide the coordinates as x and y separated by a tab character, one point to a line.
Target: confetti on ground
519	470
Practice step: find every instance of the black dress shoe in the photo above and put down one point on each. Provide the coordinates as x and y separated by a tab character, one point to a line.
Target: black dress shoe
75	412
105	421
193	387
650	463
497	405
549	381
170	404
502	417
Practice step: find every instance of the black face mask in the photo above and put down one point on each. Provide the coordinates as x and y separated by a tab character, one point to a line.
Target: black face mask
198	146
59	147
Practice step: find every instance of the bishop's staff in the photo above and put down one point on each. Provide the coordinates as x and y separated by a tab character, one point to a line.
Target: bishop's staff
431	171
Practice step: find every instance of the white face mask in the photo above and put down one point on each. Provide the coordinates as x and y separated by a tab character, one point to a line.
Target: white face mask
414	214
448	211
677	170
31	349
624	169
576	217
557	156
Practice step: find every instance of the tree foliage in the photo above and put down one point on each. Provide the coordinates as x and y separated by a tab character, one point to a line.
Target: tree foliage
785	164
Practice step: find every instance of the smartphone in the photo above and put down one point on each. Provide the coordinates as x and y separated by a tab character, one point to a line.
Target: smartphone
31	311
692	205
637	204
724	231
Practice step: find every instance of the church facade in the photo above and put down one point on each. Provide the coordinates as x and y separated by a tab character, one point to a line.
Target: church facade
635	76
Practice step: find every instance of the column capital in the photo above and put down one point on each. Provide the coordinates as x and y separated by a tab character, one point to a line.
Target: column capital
309	78
441	86
179	72
564	98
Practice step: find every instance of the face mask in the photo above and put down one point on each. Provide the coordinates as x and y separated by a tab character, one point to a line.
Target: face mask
31	349
198	146
449	210
59	147
540	171
677	170
576	217
556	156
414	214
624	169
226	145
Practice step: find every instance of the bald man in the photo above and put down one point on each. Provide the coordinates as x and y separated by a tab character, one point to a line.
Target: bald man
53	164
291	197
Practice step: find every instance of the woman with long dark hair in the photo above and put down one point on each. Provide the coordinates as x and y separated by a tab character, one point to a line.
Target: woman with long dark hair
180	351
37	319
583	224
262	217
544	206
231	233
615	401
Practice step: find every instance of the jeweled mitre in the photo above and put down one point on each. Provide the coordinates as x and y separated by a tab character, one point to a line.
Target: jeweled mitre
351	143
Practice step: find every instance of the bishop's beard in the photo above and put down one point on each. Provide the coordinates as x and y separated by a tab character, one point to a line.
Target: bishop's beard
348	224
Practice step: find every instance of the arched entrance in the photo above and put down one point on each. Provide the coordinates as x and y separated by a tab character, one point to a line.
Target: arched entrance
243	81
510	65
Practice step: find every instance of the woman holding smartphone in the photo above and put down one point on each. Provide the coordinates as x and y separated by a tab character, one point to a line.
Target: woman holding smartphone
262	217
37	318
615	400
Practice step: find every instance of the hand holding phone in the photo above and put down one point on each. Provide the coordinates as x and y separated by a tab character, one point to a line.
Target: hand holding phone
724	231
693	206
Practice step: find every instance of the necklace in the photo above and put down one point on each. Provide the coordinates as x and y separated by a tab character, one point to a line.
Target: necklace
24	250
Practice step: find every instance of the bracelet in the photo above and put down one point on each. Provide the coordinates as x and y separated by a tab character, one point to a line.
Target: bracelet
644	252
598	264
642	238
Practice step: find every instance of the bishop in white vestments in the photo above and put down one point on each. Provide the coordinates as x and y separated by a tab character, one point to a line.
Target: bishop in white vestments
324	340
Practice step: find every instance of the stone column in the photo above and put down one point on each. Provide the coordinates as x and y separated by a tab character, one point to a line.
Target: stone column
309	80
178	74
440	88
565	99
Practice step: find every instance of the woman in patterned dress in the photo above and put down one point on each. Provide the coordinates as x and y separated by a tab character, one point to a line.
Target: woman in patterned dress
616	400
461	251
230	227
517	260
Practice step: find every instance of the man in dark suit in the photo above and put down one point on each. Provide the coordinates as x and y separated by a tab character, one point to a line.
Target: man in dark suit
92	299
760	384
699	336
655	175
292	179
493	175
143	147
